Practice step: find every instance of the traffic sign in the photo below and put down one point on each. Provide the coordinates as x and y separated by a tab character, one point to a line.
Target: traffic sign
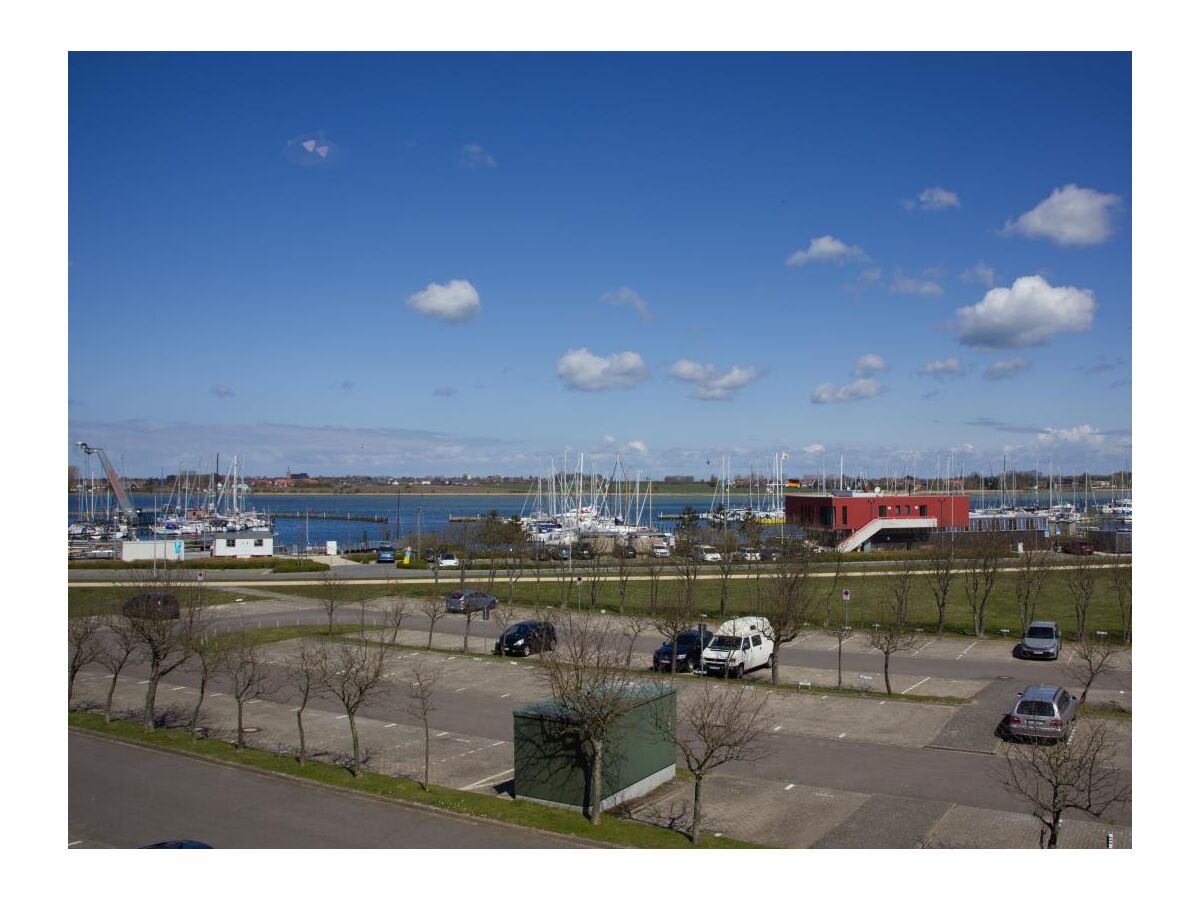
846	594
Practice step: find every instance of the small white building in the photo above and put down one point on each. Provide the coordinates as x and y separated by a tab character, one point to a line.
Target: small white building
244	544
167	551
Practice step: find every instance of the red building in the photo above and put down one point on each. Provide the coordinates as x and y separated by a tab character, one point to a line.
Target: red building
858	515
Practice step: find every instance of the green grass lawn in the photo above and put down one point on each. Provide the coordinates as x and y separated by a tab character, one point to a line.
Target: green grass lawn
269	563
516	812
99	601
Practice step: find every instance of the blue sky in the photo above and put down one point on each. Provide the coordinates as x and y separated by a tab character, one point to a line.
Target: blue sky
394	263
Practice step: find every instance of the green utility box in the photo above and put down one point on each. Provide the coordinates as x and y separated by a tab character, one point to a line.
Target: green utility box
551	766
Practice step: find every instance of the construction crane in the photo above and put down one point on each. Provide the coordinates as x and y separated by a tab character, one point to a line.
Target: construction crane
128	513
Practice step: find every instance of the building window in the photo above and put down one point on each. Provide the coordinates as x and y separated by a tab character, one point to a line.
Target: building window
883	512
258	542
907	510
843	515
922	510
229	542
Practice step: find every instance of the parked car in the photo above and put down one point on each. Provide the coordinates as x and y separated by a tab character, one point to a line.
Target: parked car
155	605
464	600
1041	640
660	551
707	553
385	555
689	645
431	556
447	561
740	645
583	551
625	551
525	638
1079	548
748	554
1043	711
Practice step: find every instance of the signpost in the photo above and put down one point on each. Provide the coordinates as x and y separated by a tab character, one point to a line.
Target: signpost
846	608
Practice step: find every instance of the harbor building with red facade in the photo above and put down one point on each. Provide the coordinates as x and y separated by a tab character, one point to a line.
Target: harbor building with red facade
856	519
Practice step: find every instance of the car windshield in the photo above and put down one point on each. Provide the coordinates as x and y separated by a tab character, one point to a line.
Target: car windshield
1040	631
725	642
1036	708
518	631
682	639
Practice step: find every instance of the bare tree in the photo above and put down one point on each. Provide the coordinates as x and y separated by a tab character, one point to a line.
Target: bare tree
423	678
1031	574
516	559
979	577
717	725
394	614
492	534
675	614
1094	657
119	649
433	608
595	580
503	616
333	593
653	569
1121	581
166	643
305	671
894	633
624	570
787	600
727	548
83	647
939	576
1083	580
355	673
633	624
686	565
247	675
591	690
210	659
1052	778
469	613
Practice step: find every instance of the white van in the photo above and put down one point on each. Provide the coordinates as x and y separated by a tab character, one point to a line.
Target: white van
740	645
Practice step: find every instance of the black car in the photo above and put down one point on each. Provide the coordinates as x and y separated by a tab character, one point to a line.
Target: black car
583	551
155	605
688	647
469	601
627	552
525	638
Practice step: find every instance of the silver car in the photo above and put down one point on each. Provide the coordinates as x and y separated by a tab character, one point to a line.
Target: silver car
1041	640
1042	711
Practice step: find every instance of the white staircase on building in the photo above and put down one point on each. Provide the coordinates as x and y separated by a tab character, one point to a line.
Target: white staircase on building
877	525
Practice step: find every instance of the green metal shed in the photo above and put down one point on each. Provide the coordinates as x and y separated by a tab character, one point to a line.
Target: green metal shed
551	767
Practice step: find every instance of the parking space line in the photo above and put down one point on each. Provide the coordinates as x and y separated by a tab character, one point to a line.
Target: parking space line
441	734
147	681
964	653
502	696
73	843
917	685
390	725
483	781
341	717
777	727
296	708
842	735
922	647
459	690
248	702
789	787
179	689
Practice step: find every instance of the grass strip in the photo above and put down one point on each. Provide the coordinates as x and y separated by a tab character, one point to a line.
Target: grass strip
621	832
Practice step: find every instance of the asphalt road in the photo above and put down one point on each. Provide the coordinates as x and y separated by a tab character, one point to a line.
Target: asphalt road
127	796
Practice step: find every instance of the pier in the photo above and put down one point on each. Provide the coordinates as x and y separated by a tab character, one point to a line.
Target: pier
331	517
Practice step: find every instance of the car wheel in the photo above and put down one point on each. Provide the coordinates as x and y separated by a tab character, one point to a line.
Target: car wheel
739	671
771	661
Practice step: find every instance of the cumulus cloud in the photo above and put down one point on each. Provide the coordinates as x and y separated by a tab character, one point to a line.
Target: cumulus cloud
1006	368
926	286
456	301
941	368
859	389
813	449
933	198
980	273
221	390
825	249
473	156
627	296
868	364
1079	435
637	447
1029	313
1070	216
582	370
711	384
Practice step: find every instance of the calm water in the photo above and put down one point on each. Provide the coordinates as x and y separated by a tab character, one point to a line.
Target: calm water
431	513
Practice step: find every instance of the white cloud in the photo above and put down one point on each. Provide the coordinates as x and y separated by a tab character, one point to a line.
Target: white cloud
940	368
1029	313
456	301
926	286
582	370
933	198
859	389
825	249
980	273
629	297
871	275
1070	216
813	449
222	391
637	447
711	384
868	364
1006	368
1080	434
609	440
473	156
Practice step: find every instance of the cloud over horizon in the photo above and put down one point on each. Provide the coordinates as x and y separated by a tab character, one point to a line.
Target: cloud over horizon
710	384
859	389
1070	217
582	370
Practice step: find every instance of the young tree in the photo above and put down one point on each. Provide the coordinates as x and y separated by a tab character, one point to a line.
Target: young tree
355	673
119	649
469	613
939	577
394	614
334	593
516	559
624	570
653	570
675	614
894	633
587	683
305	671
423	678
1054	777
164	643
247	673
727	547
210	659
717	725
979	577
1031	574
595	580
433	608
1120	579
1094	657
632	626
502	616
787	601
492	533
1083	580
83	647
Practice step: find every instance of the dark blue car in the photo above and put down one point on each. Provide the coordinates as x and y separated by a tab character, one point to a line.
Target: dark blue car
688	647
468	600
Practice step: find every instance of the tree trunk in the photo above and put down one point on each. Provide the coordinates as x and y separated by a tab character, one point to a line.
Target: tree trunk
70	683
839	662
775	666
240	743
429	643
112	689
887	678
941	626
467	633
696	810
1054	826
674	653
597	799
199	701
425	783
354	743
151	694
300	728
